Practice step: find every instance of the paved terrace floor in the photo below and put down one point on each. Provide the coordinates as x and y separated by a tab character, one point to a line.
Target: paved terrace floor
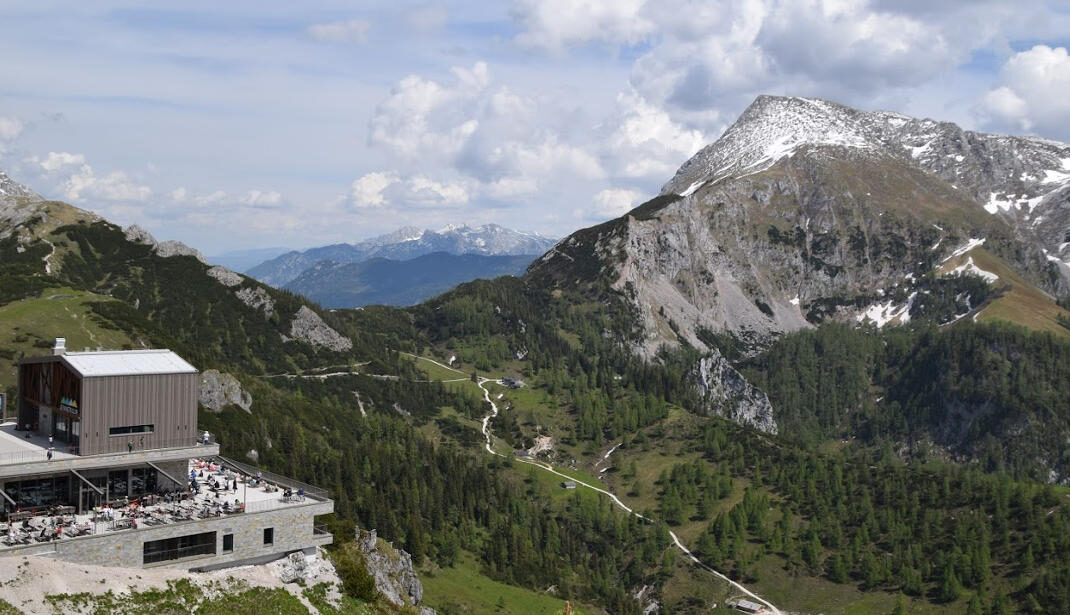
185	506
15	447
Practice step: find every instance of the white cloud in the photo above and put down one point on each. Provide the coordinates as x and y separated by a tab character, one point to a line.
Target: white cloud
850	41
178	195
115	186
421	190
554	24
509	187
57	160
544	158
1033	92
258	198
422	116
213	198
10	128
352	30
367	191
647	142
615	202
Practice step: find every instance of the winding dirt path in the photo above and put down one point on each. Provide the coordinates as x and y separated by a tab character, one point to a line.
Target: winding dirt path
481	383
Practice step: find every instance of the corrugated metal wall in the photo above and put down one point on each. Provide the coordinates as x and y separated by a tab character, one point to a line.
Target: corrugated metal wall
168	402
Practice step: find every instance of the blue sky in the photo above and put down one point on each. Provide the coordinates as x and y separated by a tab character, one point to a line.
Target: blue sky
250	124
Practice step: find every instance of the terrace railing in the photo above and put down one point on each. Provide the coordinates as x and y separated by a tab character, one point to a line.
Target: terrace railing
63	451
271	477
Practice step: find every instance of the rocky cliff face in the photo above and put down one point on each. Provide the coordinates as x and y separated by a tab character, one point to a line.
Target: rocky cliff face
806	210
395	577
727	394
219	390
308	327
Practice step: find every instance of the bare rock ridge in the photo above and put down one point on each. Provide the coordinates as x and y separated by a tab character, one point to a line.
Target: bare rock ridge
258	299
308	327
165	249
11	190
392	569
1024	180
727	394
806	210
225	276
219	390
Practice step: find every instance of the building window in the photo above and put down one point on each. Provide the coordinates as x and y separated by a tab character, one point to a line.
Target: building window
117	484
228	543
269	535
178	548
129	429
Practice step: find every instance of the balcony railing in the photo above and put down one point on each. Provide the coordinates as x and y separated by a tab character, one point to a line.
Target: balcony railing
271	477
63	451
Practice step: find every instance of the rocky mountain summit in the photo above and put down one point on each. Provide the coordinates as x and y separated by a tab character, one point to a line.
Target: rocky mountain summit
806	210
404	244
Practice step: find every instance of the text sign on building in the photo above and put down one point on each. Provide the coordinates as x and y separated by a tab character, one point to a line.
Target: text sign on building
69	406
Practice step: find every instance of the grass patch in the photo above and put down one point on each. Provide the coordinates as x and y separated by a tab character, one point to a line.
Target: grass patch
462	589
1022	303
29	327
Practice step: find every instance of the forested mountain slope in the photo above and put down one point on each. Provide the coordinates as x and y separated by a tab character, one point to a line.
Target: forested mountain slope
921	463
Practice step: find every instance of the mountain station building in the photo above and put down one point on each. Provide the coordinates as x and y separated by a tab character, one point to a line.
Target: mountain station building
103	464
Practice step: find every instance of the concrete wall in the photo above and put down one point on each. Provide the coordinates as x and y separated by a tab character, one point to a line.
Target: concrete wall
166	401
292	524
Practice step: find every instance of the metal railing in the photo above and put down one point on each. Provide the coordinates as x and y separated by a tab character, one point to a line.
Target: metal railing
271	477
63	451
262	505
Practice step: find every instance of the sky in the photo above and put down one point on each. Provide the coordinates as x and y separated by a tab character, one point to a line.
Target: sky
238	125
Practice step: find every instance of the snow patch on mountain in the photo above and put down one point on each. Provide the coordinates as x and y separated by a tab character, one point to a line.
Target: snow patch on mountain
881	314
970	268
971	244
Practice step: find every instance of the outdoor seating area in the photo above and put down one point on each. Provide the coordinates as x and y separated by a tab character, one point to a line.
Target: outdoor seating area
213	490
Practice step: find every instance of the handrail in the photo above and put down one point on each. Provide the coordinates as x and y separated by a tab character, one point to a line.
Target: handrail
250	470
62	452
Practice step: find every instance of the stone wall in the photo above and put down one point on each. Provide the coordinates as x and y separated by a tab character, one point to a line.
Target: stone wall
293	527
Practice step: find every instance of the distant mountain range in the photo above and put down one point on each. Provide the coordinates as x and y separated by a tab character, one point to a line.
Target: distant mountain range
404	244
243	260
385	281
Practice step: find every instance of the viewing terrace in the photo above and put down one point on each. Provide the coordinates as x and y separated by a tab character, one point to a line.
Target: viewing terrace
218	487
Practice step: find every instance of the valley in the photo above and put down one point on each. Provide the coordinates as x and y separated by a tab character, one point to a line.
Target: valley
825	382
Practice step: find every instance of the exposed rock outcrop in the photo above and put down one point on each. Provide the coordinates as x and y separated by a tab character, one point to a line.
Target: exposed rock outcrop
307	570
727	394
257	298
392	569
308	327
170	248
219	389
165	249
805	210
137	234
225	276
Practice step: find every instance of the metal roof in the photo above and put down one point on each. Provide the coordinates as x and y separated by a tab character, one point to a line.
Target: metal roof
126	363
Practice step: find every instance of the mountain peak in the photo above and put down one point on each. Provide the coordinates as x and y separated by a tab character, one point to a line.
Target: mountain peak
771	128
775	127
10	189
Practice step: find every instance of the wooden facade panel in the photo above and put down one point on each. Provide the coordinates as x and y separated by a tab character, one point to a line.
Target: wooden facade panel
168	402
